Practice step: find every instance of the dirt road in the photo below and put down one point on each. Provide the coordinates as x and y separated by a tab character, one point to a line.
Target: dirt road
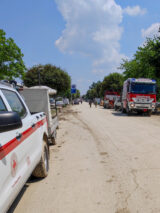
104	162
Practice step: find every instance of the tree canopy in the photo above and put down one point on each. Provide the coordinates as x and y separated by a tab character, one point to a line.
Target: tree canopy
113	82
145	62
50	76
11	62
95	90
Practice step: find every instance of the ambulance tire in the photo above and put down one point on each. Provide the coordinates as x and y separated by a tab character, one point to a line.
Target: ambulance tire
140	112
149	112
123	110
42	169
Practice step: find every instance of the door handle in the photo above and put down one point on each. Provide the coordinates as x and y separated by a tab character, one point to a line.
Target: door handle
18	137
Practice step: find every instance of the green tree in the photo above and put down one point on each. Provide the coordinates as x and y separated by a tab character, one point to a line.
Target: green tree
50	76
67	94
113	82
78	94
90	94
145	62
11	62
95	90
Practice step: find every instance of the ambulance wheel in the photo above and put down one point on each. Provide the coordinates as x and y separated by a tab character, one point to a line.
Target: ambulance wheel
149	112
123	110
42	169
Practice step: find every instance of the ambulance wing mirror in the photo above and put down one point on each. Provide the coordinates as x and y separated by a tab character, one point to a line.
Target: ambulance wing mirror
9	121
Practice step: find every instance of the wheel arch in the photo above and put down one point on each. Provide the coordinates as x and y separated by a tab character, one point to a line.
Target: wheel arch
45	139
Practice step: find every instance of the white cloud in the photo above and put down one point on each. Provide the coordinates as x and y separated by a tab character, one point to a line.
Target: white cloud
92	29
151	31
134	11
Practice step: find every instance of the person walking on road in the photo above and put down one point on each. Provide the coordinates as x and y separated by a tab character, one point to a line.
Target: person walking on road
95	103
90	103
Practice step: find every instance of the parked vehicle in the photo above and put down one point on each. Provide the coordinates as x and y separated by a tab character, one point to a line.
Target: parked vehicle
76	101
110	97
37	99
106	104
66	101
139	95
157	108
60	103
24	147
117	103
52	102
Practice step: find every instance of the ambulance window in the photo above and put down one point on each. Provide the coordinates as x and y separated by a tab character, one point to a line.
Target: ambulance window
15	103
2	106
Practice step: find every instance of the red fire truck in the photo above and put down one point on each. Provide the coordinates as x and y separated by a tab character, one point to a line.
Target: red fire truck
139	95
109	99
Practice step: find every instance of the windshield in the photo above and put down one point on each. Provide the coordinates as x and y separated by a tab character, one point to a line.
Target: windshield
143	88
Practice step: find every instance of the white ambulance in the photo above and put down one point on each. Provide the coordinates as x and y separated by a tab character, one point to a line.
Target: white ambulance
24	146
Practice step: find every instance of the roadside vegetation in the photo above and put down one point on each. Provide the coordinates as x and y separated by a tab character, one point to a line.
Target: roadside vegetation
11	58
48	75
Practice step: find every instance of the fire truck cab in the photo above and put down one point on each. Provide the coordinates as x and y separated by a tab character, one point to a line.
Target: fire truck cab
139	95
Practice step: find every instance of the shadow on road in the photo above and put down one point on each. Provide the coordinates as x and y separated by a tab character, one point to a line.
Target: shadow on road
120	114
21	193
17	200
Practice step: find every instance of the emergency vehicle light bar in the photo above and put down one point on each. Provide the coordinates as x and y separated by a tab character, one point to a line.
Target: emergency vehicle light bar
143	80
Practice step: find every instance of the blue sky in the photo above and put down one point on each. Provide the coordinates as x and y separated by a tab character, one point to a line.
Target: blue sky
87	38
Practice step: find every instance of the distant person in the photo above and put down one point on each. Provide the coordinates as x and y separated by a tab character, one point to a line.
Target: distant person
95	103
90	103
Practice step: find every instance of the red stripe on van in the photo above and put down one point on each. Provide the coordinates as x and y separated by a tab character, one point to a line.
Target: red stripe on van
12	144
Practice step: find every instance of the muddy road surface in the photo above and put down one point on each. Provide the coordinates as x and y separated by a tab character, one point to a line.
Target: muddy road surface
104	162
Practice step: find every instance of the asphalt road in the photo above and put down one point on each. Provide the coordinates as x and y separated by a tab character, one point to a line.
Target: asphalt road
104	162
